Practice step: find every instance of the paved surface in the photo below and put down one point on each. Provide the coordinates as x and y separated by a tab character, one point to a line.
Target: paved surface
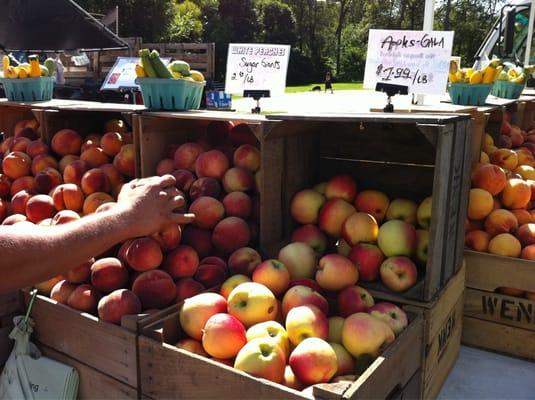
485	375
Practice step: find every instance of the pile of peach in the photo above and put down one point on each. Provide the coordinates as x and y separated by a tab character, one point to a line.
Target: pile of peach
284	331
501	209
377	235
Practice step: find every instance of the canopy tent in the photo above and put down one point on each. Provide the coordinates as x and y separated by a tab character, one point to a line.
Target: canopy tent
51	26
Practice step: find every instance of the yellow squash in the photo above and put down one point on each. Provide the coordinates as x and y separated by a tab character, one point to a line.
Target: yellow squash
5	65
140	71
476	77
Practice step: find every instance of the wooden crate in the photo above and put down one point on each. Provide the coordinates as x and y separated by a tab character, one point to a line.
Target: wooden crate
11	113
109	349
526	112
169	372
405	155
442	334
93	384
495	321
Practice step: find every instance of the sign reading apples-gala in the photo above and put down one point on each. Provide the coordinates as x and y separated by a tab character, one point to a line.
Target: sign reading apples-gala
417	59
257	67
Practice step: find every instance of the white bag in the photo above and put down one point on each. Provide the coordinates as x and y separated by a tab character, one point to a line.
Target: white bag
29	376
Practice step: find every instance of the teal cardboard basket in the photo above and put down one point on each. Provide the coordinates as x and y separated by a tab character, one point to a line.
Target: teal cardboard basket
465	94
507	90
171	94
29	89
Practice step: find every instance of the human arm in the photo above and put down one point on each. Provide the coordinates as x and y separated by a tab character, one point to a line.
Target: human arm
32	254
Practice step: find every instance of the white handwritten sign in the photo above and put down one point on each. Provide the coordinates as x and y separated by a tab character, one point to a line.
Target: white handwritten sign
257	67
417	59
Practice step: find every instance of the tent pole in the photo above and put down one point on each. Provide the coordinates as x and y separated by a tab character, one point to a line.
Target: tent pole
429	15
530	33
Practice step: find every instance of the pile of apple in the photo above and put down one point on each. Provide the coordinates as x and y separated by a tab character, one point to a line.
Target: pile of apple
217	176
283	330
379	236
501	209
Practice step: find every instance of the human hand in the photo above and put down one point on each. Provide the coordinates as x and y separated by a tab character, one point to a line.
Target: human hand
148	205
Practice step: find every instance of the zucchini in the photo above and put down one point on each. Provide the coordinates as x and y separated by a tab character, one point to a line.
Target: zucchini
147	63
159	67
50	66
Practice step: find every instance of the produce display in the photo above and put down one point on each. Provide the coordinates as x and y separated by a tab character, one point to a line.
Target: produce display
31	69
501	212
385	239
514	74
151	66
486	75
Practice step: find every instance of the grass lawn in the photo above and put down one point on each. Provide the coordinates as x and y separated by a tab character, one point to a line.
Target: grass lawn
336	86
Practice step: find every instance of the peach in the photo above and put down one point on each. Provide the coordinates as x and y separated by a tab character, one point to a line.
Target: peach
193	346
526	234
306	321
68	196
242	134
30	130
40	207
47	179
336	272
402	209
80	273
484	158
238	180
5	186
489	177
363	334
516	138
333	215
36	147
301	295
368	259
208	212
188	287
3	209
248	157
181	262
197	310
125	160
84	298
506	245
165	166
65	216
360	227
95	180
341	187
205	187
155	289
353	299
312	236
144	254
108	274
528	252
398	273
504	158
501	221
480	204
5	145
114	176
168	238
43	161
252	303
73	172
20	144
237	204
523	216
272	274
525	171
94	157
244	261
230	234
477	240
211	164
212	271
116	125
184	179
372	202
397	238
306	205
111	143
300	260
186	155
94	201
14	219
19	202
223	336
61	291
24	183
66	141
114	306
88	143
16	165
262	358
46	287
199	239
525	154
516	194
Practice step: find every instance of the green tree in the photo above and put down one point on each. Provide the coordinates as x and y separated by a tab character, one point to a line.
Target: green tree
277	22
187	24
